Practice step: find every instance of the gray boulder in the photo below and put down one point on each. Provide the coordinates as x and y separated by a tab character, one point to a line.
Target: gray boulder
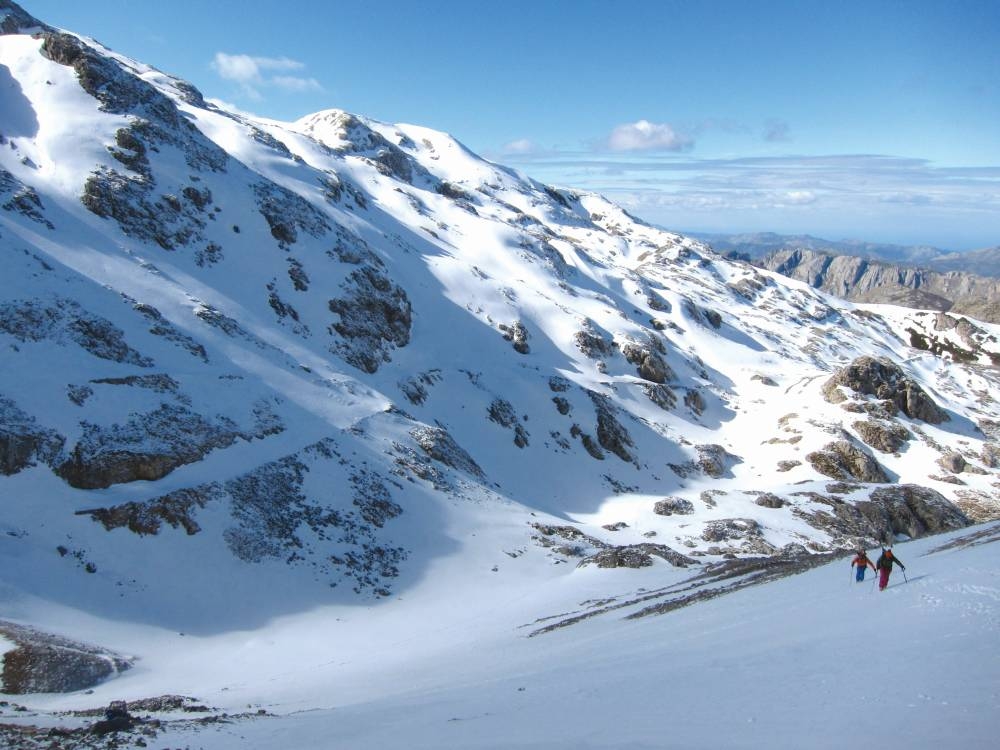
714	460
952	461
670	506
650	363
912	510
886	381
844	461
887	436
23	440
636	556
45	663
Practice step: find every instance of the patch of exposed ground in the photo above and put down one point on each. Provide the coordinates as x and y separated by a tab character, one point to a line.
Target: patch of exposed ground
132	724
715	580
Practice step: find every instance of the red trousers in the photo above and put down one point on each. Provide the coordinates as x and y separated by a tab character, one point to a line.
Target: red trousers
883	577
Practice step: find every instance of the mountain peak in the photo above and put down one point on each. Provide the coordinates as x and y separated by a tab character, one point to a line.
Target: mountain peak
15	20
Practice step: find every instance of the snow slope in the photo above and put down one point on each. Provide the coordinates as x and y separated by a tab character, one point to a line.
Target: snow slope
814	660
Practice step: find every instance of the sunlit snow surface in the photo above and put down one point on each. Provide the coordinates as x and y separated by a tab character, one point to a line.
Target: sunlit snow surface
815	660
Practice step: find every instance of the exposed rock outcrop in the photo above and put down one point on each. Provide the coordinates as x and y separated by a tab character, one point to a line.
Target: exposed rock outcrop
953	461
15	20
673	506
517	334
739	535
890	511
19	198
147	447
864	280
575	543
715	461
611	434
887	382
887	436
843	460
636	556
913	510
177	509
23	441
64	321
441	446
288	213
46	663
502	412
649	361
936	333
375	318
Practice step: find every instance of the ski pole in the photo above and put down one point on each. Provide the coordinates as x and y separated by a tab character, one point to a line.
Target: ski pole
904	576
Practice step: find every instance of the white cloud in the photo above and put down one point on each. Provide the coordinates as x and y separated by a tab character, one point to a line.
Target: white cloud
253	73
799	197
647	136
293	83
878	197
520	146
241	68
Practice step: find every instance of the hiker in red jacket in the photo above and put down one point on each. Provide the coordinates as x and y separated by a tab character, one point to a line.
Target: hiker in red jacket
862	562
884	567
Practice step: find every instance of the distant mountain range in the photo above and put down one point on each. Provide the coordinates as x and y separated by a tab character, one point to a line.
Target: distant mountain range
753	246
919	277
863	280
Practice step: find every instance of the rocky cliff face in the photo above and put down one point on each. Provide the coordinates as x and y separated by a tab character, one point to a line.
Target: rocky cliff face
865	280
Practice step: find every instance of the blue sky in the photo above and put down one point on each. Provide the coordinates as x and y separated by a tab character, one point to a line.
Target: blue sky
875	120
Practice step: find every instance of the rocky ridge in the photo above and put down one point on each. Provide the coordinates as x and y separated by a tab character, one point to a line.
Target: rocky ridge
864	280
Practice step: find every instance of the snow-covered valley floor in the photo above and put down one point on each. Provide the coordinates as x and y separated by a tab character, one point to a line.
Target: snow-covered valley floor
813	660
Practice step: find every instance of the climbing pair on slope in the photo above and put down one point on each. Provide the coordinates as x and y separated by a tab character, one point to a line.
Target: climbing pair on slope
883	566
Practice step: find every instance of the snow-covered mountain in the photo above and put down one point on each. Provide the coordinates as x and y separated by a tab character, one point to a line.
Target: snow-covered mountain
350	376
